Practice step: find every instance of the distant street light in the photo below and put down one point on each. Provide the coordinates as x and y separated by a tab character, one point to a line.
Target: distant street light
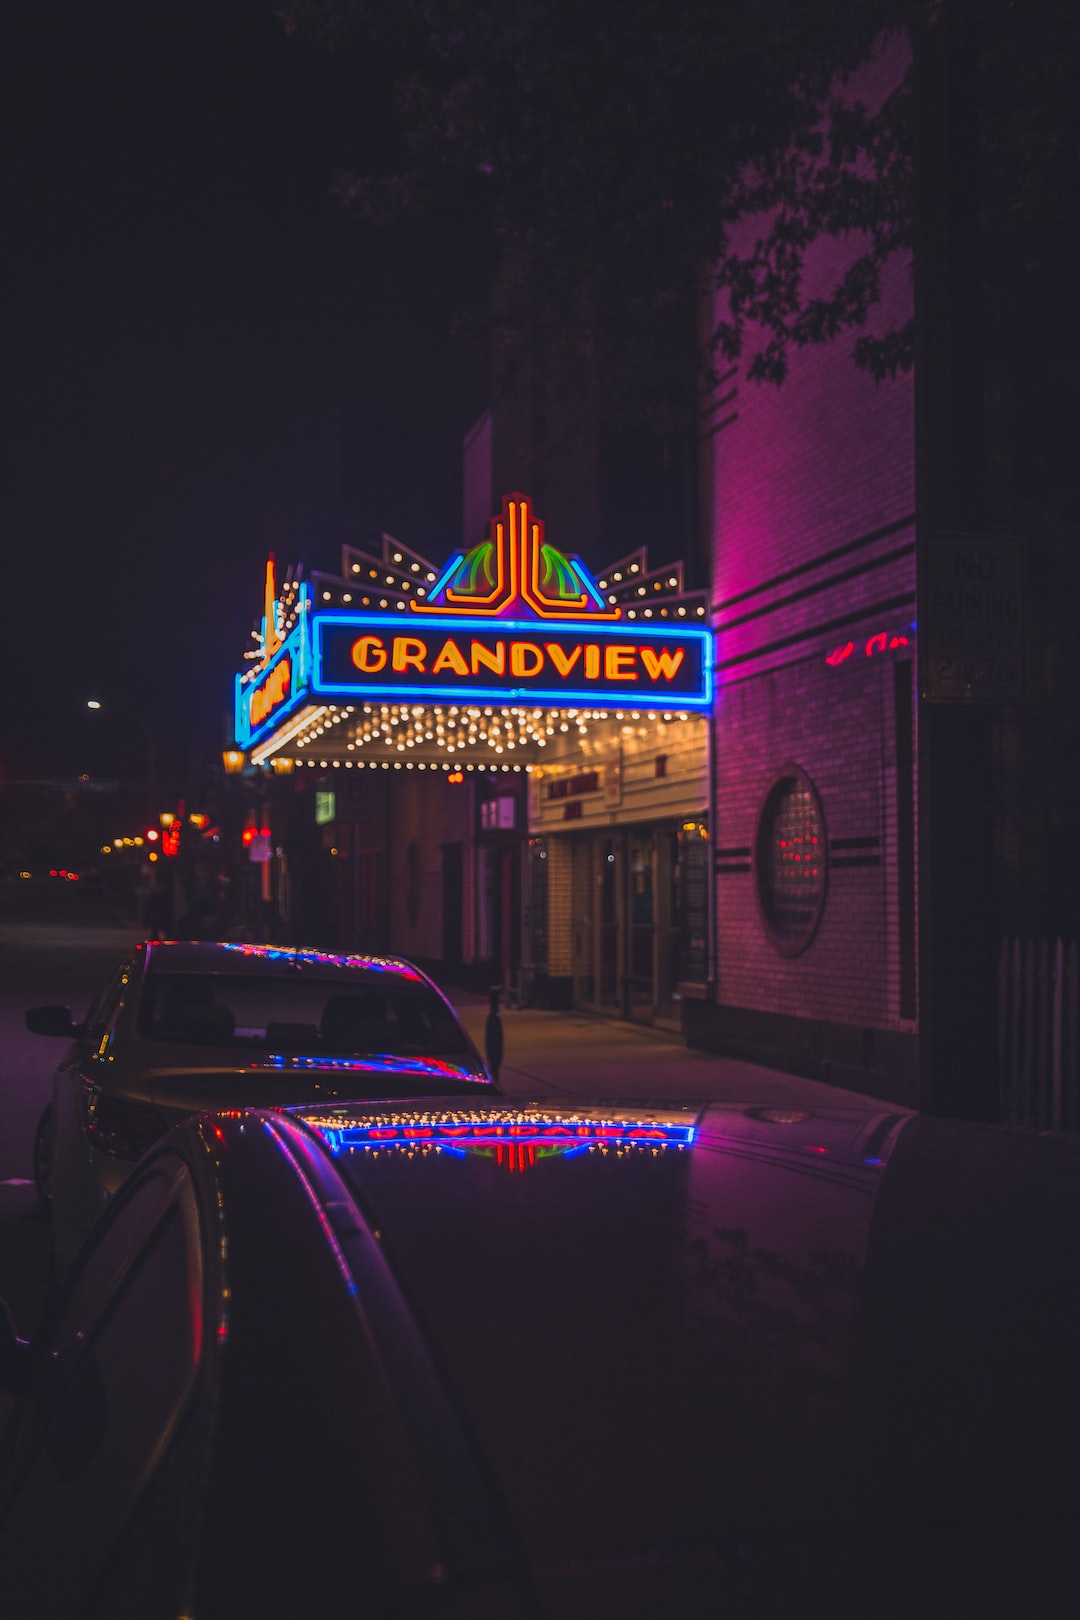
148	737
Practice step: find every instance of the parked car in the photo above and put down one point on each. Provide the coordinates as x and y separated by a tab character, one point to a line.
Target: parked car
179	1028
482	1358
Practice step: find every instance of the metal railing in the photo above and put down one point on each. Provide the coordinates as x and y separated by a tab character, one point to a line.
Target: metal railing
1038	1026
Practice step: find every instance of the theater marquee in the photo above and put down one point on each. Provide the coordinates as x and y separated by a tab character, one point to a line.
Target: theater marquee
509	621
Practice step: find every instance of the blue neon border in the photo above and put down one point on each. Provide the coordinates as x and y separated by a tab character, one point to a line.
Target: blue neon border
607	697
296	645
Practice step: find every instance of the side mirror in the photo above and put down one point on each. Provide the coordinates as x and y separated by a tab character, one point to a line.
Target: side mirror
51	1021
15	1354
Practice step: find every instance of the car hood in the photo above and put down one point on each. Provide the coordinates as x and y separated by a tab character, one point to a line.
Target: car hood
804	1329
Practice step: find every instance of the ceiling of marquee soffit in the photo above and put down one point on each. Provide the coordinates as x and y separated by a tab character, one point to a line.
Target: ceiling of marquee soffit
458	738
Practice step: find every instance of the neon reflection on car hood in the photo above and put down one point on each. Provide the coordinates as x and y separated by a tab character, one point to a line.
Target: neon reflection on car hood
516	1138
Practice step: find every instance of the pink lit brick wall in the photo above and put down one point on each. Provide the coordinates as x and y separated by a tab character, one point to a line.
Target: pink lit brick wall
813	538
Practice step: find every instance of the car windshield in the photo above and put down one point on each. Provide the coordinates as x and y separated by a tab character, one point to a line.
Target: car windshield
292	1013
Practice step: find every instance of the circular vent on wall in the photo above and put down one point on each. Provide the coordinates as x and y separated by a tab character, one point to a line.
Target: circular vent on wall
789	861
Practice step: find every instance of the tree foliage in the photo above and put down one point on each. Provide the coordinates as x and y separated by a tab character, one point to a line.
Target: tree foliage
612	149
609	146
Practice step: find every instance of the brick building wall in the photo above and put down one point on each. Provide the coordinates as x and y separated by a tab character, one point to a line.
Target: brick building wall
813	488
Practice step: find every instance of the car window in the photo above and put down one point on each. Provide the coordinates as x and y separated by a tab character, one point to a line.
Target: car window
377	1013
126	1362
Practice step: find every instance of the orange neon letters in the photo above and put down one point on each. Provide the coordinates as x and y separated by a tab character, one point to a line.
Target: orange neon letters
661	663
520	653
408	653
275	687
522	660
564	662
369	654
483	656
450	658
619	664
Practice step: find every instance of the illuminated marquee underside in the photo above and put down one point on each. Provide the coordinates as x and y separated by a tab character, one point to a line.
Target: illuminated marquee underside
455	738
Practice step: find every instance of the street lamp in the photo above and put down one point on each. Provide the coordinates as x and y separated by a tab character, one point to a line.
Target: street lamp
233	760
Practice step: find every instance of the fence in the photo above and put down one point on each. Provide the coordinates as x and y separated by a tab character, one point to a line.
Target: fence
1037	1033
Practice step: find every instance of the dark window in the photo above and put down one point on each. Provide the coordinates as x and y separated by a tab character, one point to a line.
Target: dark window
373	1012
789	861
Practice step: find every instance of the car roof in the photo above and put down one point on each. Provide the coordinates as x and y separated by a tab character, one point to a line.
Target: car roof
670	1324
241	958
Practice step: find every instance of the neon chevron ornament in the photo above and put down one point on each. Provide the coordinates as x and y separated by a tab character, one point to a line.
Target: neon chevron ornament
516	574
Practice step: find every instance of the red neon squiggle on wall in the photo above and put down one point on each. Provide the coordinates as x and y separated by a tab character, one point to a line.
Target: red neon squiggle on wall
881	641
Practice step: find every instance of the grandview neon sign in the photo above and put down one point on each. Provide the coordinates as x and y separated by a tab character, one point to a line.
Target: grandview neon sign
512	620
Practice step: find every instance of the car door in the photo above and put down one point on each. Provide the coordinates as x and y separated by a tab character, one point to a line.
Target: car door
98	1499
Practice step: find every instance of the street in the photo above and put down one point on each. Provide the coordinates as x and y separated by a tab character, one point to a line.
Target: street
57	946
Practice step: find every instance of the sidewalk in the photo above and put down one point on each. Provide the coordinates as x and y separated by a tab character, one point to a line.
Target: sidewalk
574	1054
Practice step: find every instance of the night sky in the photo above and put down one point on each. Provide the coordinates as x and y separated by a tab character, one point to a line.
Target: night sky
206	359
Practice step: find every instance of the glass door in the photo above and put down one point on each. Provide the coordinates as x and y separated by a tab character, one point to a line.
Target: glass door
641	941
583	915
597	922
